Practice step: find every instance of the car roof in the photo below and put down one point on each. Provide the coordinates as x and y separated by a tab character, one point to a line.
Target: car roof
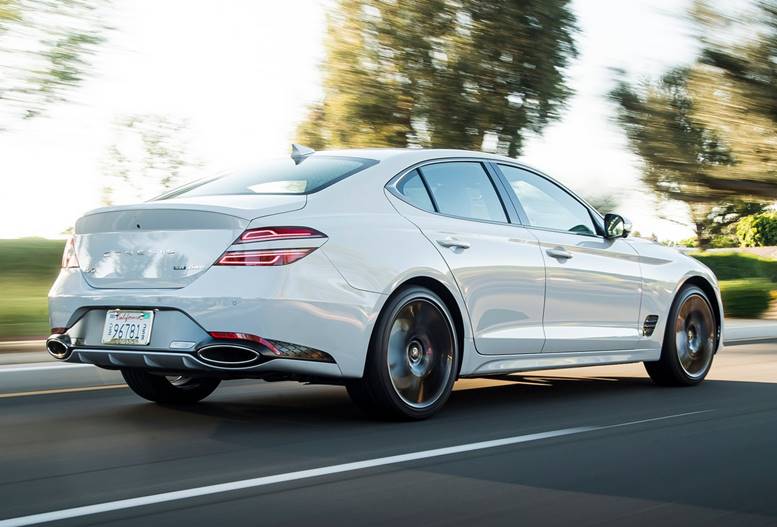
412	154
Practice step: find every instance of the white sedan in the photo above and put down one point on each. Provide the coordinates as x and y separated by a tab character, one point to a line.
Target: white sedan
392	272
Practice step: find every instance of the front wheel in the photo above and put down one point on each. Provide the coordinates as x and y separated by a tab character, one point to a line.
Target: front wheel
412	361
170	389
689	342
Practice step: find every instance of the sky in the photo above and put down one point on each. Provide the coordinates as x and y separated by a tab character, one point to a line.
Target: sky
242	74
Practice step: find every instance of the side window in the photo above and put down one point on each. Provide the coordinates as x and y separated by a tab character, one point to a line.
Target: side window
463	189
415	191
546	204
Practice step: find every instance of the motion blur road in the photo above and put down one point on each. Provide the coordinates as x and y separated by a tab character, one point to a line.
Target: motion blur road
710	460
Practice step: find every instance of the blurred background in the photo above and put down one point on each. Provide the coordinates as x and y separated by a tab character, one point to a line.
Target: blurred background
662	110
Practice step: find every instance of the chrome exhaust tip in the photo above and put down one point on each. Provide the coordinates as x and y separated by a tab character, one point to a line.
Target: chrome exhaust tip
59	346
229	356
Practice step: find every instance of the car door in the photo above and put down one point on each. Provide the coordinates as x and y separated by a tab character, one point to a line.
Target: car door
593	284
497	265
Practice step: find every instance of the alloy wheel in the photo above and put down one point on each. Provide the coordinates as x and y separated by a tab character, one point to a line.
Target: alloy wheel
420	356
695	336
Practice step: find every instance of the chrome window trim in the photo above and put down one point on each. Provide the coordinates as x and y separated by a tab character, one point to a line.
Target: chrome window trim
510	216
515	213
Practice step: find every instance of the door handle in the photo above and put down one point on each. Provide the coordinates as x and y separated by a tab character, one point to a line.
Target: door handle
560	253
453	243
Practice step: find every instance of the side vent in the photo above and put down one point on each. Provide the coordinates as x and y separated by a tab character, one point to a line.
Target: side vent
650	325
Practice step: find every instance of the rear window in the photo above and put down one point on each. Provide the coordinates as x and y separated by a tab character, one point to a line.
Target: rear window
281	176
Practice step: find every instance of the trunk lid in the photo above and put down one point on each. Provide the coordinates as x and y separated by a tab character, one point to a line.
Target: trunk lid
166	244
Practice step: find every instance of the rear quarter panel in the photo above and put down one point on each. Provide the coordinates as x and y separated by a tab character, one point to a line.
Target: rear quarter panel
371	245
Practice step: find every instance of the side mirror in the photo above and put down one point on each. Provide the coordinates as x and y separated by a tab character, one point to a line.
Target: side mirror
616	226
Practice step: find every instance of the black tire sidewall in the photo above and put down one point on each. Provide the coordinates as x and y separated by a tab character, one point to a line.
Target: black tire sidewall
669	353
378	375
158	389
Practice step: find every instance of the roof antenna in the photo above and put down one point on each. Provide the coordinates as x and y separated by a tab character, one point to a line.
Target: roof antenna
299	153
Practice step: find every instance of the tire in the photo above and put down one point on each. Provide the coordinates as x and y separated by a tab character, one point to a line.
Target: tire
690	341
169	390
413	358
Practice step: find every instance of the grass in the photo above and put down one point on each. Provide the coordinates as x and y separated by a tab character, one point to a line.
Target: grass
735	265
28	267
747	281
746	297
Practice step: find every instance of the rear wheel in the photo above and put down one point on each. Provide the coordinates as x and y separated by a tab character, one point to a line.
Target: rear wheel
412	360
170	389
689	342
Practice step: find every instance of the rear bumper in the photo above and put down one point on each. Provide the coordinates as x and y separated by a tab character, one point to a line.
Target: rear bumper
307	304
188	363
179	345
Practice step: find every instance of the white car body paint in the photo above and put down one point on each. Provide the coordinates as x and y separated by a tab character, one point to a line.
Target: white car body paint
521	309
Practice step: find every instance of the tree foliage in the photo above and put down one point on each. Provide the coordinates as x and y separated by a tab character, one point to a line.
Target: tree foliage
441	73
680	155
46	49
758	230
707	133
715	224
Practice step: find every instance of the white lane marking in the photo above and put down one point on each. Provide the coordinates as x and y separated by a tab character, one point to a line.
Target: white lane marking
42	367
11	343
56	391
153	499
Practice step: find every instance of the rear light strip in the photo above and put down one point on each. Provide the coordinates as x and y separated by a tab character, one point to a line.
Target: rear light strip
266	234
284	350
228	335
264	258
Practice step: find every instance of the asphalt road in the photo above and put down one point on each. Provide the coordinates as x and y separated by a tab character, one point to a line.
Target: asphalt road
595	446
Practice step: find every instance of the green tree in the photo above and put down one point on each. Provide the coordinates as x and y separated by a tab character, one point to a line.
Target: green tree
441	73
706	132
46	48
758	230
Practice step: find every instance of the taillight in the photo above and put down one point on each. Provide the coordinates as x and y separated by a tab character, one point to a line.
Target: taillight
266	257
266	234
270	257
69	259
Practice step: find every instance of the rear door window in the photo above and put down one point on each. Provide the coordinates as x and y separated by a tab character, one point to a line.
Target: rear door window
464	189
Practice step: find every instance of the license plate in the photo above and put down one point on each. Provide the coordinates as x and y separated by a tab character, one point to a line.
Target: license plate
128	327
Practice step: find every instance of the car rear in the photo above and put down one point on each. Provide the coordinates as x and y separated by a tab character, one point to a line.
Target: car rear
218	278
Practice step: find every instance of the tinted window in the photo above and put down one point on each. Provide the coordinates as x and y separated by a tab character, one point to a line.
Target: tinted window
463	189
281	176
415	191
546	204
